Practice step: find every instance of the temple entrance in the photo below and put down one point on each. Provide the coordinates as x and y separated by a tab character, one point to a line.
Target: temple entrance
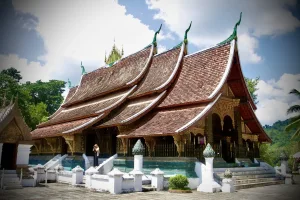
9	156
106	138
90	141
224	137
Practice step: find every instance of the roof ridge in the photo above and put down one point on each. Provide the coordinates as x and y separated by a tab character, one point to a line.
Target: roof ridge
208	48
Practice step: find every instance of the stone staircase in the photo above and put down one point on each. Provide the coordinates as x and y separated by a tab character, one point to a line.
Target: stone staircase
10	180
249	177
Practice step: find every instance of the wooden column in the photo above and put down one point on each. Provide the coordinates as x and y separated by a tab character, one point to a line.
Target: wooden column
238	128
179	142
209	129
150	143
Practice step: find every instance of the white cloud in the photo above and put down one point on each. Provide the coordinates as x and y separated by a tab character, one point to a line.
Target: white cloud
213	21
248	46
161	48
75	31
274	98
30	71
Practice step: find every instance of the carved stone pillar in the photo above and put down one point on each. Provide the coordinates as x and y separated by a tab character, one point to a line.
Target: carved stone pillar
179	142
209	129
150	143
71	142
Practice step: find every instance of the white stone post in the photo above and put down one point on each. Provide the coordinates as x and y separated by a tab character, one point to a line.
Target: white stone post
23	154
208	183
284	168
77	175
138	162
138	182
39	173
115	181
138	151
88	176
227	182
157	180
1	145
283	165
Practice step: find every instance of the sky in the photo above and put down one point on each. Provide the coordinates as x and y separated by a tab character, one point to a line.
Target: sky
47	40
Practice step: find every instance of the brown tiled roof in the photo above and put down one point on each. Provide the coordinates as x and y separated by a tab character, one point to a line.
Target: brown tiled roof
133	110
162	67
163	122
253	124
105	80
68	97
237	83
58	129
89	108
199	77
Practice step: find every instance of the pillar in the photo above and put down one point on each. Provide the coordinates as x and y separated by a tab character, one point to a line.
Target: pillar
238	128
1	145
115	181
208	183
138	181
209	129
23	154
157	180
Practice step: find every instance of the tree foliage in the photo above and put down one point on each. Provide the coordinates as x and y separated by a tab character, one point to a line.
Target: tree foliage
36	100
295	121
12	72
280	142
252	87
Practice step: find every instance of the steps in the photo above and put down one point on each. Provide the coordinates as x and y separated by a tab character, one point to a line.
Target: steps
10	180
250	177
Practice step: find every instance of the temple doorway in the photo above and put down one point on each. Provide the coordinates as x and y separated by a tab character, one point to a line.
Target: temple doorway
228	138
9	156
64	147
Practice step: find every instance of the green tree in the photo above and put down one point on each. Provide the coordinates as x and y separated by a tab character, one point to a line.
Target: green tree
49	93
252	87
15	74
36	100
295	121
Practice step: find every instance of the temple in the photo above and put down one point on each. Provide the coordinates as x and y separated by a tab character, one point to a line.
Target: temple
15	137
175	102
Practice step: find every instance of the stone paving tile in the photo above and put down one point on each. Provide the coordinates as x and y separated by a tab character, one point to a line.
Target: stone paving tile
57	191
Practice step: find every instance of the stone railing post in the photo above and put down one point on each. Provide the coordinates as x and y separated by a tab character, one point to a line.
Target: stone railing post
77	175
227	182
138	151
284	168
137	175
88	176
58	169
115	181
157	179
208	183
39	173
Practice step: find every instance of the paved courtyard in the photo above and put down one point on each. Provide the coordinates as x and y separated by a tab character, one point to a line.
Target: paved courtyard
62	191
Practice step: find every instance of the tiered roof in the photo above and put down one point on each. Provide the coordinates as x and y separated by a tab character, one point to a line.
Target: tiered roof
154	95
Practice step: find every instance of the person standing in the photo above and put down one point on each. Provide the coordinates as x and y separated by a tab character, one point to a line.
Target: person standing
96	151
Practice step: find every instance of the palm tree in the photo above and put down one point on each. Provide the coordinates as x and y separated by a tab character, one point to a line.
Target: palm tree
295	121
